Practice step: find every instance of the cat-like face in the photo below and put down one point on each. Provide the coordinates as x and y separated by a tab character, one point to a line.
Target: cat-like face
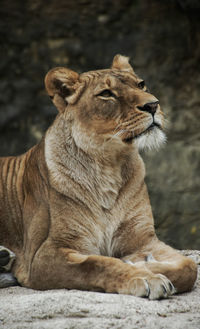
110	104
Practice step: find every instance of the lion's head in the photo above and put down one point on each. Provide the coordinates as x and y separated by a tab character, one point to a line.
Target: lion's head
111	105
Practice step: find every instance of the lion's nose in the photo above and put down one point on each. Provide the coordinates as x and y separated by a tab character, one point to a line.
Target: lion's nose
149	107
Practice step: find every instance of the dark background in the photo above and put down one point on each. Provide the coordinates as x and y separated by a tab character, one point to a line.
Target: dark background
163	40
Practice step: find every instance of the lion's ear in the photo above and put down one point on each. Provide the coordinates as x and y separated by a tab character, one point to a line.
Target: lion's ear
62	85
121	63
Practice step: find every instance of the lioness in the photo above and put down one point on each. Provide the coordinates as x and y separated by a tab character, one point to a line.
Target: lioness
75	208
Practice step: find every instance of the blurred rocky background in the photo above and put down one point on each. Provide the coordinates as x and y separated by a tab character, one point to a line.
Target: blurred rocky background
163	40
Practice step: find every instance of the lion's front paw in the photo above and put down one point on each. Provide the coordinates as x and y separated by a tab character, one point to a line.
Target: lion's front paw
6	259
153	286
160	287
138	287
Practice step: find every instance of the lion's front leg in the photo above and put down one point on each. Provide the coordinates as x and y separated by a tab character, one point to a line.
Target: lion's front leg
54	268
160	258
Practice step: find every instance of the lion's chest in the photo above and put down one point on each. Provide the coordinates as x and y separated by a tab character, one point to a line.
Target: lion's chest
106	243
101	229
75	226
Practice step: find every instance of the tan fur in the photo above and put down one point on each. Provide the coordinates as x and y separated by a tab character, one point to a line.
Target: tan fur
75	208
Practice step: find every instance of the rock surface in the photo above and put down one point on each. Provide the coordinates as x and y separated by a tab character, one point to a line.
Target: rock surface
23	308
163	40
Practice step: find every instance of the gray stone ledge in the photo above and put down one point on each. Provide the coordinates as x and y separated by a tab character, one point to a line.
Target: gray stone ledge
22	308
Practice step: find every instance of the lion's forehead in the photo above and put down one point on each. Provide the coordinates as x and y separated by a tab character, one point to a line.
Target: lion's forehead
116	78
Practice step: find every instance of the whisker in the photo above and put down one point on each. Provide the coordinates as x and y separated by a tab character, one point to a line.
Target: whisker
119	133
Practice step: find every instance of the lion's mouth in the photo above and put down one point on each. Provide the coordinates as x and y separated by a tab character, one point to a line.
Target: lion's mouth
131	136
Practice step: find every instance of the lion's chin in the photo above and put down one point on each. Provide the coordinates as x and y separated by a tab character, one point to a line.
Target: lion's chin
151	139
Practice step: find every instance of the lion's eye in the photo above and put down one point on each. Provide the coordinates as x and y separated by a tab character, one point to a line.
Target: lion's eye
141	84
106	93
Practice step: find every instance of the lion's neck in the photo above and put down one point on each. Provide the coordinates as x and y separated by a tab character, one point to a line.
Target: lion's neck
76	174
